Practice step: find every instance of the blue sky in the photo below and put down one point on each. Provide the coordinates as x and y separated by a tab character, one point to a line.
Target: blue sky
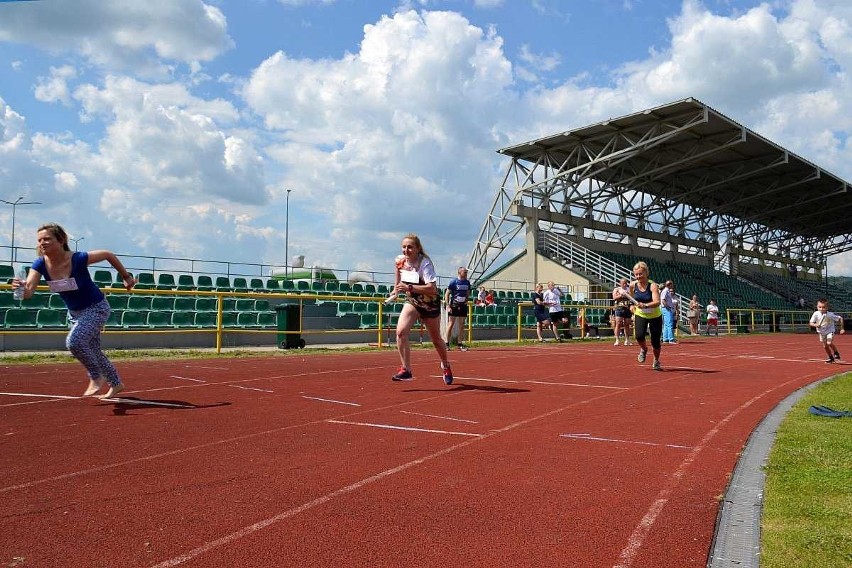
174	127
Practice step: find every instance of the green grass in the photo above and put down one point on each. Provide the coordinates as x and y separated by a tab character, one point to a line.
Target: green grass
807	514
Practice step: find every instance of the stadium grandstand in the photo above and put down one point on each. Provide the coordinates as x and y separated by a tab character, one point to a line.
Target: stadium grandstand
720	210
707	203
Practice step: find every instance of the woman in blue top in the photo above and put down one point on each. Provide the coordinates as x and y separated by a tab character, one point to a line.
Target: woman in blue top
67	273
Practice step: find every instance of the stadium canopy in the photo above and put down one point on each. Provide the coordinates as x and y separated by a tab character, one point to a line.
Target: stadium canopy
681	174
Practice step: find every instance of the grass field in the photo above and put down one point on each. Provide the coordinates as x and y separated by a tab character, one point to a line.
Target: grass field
807	516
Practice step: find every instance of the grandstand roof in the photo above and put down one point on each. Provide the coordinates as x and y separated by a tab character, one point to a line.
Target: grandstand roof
689	153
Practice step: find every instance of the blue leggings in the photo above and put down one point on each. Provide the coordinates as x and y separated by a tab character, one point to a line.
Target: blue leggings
84	341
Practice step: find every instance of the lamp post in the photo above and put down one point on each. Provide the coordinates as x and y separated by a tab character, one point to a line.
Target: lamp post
76	241
14	204
287	233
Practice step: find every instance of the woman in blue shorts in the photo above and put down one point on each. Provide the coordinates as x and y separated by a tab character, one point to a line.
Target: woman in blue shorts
67	273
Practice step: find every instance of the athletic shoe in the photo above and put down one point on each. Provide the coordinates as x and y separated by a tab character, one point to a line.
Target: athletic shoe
462	347
642	354
402	375
448	374
830	360
616	343
627	343
656	365
837	355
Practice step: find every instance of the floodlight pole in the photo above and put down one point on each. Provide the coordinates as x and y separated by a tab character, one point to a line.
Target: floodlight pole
287	233
76	241
14	205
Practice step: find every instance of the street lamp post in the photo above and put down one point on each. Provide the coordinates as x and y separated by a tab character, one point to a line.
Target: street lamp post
287	233
76	241
14	204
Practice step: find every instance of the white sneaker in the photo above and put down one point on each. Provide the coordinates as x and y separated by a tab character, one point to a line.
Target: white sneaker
616	343
627	343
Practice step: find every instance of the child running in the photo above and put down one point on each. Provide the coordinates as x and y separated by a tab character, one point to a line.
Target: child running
824	322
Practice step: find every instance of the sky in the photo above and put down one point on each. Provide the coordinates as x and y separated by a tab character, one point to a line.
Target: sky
178	128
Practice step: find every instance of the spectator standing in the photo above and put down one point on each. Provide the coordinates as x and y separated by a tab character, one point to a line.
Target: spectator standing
481	295
553	299
693	314
623	317
455	297
668	305
712	317
649	317
419	282
542	314
67	273
825	322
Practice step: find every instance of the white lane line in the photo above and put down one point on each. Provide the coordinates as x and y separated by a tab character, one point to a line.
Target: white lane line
249	388
330	400
406	428
441	417
186	379
203	367
578	385
616	440
33	395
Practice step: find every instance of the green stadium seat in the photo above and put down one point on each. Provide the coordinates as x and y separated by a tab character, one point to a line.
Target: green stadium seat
20	317
6	273
245	305
184	304
229	319
344	308
118	301
114	319
56	302
182	319
52	318
205	319
273	285
159	319
204	283
288	285
163	303
206	304
262	305
303	286
38	300
267	319
7	300
240	284
133	318
369	321
229	304
247	319
256	284
139	303
166	281
223	284
144	281
186	282
103	278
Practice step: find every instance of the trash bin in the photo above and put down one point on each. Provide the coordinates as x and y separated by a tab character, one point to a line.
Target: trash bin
288	320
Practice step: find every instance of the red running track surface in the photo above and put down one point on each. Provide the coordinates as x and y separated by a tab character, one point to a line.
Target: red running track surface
545	455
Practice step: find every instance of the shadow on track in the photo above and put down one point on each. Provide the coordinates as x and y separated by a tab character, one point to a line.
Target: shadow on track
482	388
123	404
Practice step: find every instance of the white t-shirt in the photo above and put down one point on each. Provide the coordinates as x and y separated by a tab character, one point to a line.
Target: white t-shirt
825	325
712	312
553	297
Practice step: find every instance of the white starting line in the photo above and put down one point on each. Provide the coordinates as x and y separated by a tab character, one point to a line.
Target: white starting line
33	395
330	400
406	428
616	440
249	388
439	417
186	379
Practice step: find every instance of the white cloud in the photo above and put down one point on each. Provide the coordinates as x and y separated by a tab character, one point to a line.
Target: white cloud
122	34
55	87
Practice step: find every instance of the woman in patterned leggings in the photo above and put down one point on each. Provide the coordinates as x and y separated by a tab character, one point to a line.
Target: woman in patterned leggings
67	273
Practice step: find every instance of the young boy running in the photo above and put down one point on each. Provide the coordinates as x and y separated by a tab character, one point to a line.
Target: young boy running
824	322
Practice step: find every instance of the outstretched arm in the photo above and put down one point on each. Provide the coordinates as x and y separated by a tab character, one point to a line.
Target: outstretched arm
101	255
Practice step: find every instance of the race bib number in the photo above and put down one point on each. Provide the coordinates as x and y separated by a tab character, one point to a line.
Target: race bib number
409	276
62	285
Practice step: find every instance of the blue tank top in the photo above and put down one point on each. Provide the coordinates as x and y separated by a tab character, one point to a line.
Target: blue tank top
646	297
87	292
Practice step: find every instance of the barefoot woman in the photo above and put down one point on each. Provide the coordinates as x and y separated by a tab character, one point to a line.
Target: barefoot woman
67	273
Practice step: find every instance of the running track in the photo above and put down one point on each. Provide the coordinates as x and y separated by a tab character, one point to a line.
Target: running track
552	455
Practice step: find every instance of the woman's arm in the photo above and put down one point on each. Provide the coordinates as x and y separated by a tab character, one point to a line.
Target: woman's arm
29	285
101	255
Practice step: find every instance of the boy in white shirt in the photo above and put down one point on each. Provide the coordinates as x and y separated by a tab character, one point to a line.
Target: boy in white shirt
825	322
712	317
